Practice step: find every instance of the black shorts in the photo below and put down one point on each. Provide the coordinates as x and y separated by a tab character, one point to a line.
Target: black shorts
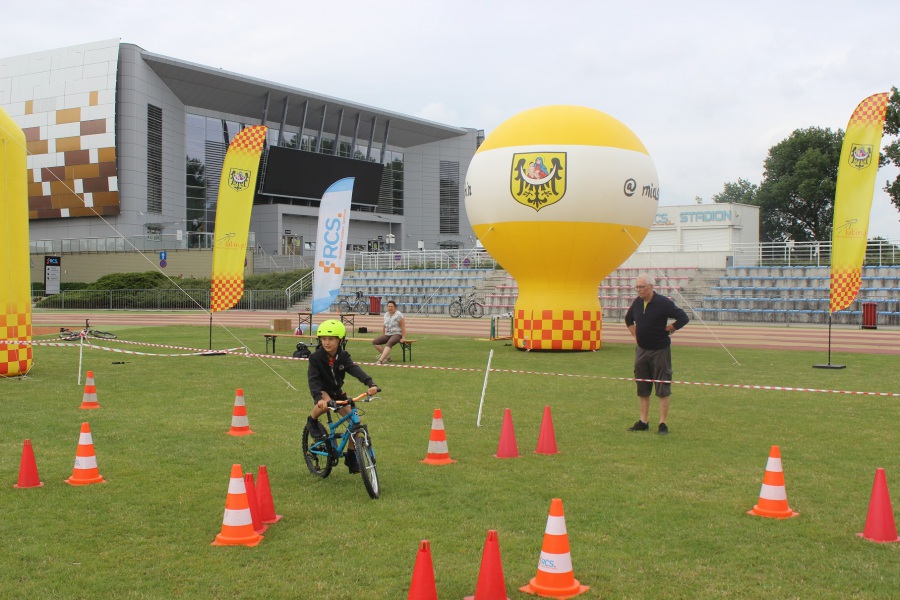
389	340
656	365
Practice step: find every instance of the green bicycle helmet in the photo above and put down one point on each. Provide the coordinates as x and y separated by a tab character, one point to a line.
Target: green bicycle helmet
332	328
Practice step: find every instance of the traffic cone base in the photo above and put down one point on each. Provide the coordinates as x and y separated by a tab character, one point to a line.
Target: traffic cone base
491	585
28	474
773	502
89	400
237	522
555	577
546	438
438	454
422	586
85	470
880	526
507	447
240	424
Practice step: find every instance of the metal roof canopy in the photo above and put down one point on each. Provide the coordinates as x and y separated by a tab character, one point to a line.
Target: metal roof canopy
215	89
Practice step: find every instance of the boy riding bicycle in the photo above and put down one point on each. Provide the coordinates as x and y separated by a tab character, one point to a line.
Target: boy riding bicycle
328	366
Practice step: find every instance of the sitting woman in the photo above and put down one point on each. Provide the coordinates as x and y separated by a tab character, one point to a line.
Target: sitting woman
393	332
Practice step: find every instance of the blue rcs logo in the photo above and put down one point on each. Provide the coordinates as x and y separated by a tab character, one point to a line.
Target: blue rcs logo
332	249
547	563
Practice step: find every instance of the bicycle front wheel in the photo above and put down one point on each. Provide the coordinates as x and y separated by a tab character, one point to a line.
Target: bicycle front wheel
365	458
344	306
476	311
316	455
455	309
69	336
103	334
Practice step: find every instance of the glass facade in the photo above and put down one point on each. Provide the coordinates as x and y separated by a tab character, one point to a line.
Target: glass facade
206	142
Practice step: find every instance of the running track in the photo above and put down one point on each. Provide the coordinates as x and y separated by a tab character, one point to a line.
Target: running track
844	339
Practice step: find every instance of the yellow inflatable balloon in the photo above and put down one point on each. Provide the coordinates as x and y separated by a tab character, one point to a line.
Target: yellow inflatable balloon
15	275
560	196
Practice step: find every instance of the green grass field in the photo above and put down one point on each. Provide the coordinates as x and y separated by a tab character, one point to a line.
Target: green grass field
647	516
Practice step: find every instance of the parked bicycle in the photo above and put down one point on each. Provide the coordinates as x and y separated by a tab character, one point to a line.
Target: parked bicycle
323	455
468	305
73	336
356	303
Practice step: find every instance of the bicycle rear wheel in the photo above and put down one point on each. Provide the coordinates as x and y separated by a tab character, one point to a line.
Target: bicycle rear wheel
344	306
316	454
103	334
476	310
455	309
69	336
365	458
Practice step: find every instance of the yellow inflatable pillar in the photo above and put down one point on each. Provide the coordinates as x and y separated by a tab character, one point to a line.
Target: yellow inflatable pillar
15	275
560	196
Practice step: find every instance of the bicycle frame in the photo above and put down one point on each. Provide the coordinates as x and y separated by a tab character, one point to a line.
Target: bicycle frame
333	426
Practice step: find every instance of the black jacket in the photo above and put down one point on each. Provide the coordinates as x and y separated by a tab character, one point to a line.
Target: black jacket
329	378
650	323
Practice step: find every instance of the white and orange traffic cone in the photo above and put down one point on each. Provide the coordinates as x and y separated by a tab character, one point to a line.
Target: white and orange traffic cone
240	424
237	522
85	471
438	453
89	400
555	578
773	502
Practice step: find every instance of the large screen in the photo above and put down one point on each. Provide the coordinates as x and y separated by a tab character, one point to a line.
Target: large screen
301	174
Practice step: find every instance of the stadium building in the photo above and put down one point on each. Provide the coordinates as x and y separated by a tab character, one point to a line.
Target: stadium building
127	144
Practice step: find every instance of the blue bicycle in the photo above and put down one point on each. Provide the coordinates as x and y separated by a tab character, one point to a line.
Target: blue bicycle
324	454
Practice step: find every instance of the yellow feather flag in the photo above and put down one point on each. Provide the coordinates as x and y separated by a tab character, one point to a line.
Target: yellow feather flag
236	190
853	198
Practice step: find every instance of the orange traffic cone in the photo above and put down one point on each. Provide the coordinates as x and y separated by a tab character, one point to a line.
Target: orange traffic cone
423	586
437	442
491	585
880	526
237	522
264	497
507	447
240	424
28	474
253	503
772	496
546	439
89	400
555	578
85	470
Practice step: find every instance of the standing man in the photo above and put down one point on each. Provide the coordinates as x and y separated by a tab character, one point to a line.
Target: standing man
648	321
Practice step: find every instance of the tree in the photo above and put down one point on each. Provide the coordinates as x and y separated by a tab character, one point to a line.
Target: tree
891	153
796	196
741	192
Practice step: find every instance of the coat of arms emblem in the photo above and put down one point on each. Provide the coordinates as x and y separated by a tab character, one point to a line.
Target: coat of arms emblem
538	179
239	179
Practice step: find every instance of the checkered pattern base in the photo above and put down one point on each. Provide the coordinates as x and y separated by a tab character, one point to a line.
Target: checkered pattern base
15	359
845	284
226	292
557	329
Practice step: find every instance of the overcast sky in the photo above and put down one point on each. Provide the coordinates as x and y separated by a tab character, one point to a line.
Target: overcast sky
709	87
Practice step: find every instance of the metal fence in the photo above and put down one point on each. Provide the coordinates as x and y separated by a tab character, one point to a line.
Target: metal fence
156	299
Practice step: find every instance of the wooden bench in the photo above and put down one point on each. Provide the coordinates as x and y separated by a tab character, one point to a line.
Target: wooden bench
405	345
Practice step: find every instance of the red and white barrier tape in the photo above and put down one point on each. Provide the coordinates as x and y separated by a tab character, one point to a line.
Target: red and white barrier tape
234	351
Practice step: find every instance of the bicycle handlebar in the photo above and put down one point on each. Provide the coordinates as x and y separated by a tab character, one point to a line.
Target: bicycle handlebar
334	404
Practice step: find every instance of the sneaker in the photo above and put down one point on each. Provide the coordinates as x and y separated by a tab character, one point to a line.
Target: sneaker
663	429
350	461
639	426
388	360
316	429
